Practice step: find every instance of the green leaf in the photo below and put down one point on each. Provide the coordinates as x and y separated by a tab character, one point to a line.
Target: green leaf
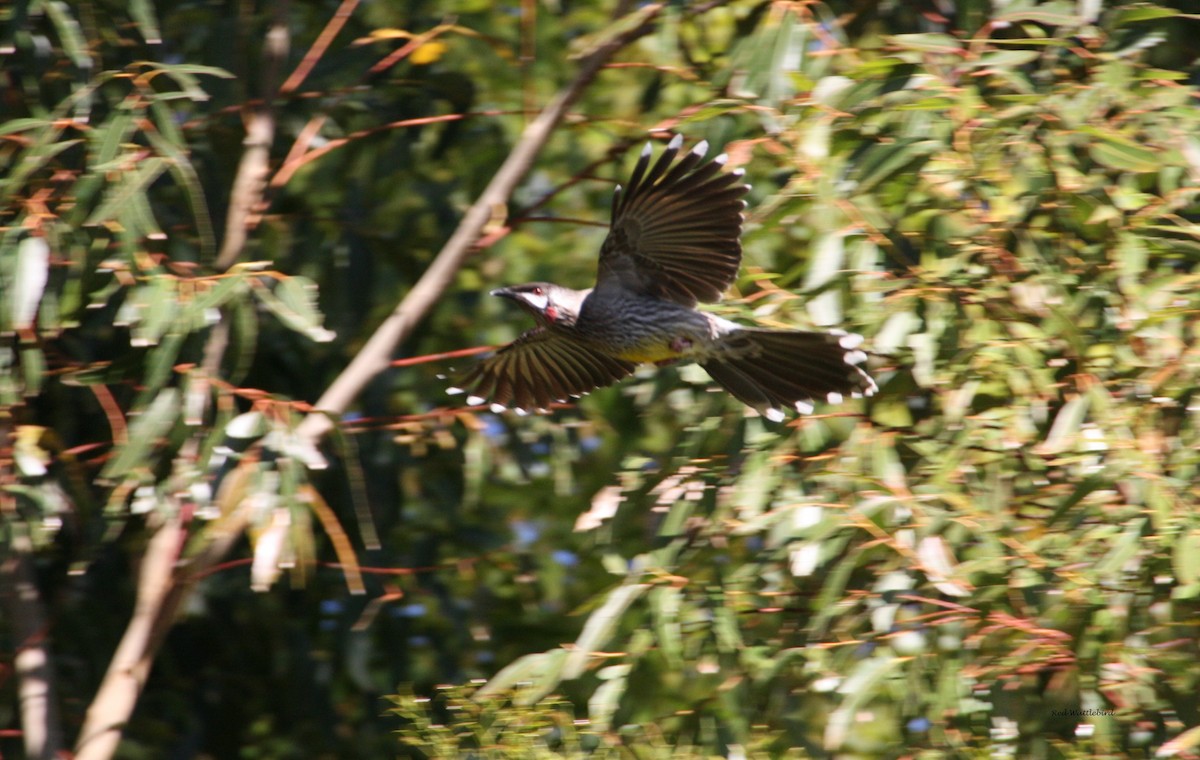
1065	430
134	183
185	174
146	433
537	674
294	302
600	626
603	703
1185	559
1125	157
70	34
860	688
828	260
160	364
1005	59
1054	13
927	43
725	628
25	124
1140	12
28	283
33	366
142	12
885	160
665	603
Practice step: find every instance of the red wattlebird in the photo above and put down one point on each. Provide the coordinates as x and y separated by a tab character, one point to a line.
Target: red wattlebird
673	242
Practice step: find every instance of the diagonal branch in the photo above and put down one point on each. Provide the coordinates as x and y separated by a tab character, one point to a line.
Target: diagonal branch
376	355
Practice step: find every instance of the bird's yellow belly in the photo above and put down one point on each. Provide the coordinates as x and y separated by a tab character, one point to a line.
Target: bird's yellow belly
641	329
655	351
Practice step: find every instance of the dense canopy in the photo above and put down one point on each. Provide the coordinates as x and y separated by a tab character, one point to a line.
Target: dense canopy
244	247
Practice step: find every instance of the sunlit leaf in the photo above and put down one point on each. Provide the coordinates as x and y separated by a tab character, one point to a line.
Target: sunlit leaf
29	278
599	628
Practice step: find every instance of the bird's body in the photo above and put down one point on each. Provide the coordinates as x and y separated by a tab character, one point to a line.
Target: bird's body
639	328
674	241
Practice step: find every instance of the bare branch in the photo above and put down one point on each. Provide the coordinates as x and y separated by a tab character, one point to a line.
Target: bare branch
40	722
246	198
127	671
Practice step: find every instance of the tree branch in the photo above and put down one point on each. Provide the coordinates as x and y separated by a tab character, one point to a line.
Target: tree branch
40	722
376	355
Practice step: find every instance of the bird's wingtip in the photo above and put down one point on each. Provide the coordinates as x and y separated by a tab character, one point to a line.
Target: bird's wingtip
676	142
850	340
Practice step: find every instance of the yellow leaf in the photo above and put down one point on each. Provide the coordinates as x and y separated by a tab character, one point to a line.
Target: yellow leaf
427	53
378	35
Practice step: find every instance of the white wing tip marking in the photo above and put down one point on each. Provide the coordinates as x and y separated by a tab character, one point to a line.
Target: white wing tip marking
774	415
454	391
701	148
851	340
676	142
804	407
475	400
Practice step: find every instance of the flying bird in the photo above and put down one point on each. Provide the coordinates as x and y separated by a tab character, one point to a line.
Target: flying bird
673	242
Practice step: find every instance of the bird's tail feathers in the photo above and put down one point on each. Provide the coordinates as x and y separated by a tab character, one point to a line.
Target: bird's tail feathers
773	370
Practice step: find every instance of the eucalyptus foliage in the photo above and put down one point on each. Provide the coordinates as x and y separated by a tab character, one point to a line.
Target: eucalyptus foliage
997	554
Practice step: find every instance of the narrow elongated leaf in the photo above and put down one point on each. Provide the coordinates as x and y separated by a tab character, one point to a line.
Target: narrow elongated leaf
142	12
600	626
294	303
133	184
29	281
858	689
536	673
1064	432
604	701
927	43
146	433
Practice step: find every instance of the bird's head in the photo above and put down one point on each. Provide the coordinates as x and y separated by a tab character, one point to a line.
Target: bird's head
549	304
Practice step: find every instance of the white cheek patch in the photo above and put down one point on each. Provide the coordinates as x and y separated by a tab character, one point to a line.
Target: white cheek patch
536	301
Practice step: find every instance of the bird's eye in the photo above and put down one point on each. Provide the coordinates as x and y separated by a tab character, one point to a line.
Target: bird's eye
536	291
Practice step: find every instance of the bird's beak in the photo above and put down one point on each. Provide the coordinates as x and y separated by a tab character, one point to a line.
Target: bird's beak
503	292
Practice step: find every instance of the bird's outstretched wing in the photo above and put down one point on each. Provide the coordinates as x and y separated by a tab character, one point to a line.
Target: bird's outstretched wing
675	228
538	369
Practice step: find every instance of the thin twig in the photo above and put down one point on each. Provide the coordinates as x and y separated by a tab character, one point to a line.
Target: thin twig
320	46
